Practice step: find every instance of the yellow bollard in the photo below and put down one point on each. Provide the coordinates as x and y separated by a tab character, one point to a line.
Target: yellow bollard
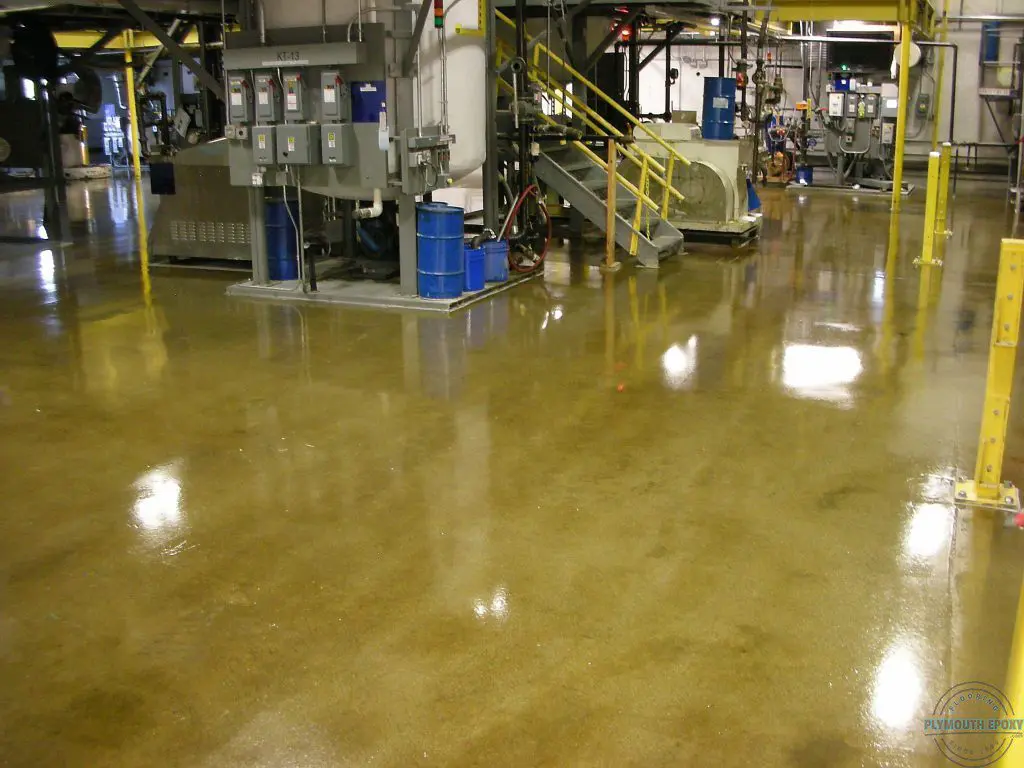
986	489
931	206
942	211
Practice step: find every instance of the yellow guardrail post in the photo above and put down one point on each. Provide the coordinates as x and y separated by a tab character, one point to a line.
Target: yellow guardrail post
634	243
942	211
668	185
931	205
610	264
986	489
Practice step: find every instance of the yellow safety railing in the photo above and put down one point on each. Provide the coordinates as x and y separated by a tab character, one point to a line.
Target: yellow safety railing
651	171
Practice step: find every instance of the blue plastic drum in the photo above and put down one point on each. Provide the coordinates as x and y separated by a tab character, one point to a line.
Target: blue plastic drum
496	261
440	257
282	246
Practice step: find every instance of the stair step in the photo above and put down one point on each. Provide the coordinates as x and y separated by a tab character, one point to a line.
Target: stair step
664	242
578	165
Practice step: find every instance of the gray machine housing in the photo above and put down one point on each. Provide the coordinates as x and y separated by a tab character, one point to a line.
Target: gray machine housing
301	122
865	125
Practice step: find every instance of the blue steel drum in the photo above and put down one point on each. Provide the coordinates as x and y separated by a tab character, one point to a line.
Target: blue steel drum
440	256
719	118
282	247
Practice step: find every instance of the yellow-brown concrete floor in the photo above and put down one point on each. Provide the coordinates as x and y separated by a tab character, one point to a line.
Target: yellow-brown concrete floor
699	516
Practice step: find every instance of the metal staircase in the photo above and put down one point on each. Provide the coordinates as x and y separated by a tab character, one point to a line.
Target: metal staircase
584	184
580	176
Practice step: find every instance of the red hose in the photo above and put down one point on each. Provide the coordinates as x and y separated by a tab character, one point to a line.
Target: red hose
547	241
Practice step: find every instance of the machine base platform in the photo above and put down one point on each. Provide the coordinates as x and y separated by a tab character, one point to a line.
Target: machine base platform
733	233
366	293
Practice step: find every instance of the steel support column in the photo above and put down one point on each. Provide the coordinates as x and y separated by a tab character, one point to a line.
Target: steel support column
491	195
901	115
133	112
179	53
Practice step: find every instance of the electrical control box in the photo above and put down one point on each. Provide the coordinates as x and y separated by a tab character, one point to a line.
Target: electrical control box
923	104
263	145
298	143
239	100
294	96
852	104
871	106
888	133
268	98
337	143
836	101
890	108
335	97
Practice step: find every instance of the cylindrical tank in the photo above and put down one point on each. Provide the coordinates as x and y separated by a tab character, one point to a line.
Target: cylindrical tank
719	118
282	247
440	261
467	68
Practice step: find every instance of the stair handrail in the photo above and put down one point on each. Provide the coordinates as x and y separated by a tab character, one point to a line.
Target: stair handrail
629	186
538	47
656	172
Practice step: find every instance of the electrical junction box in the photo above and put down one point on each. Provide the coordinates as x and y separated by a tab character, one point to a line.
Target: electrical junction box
835	104
890	108
888	133
298	144
264	150
852	103
369	99
294	96
337	143
923	104
335	98
239	100
871	106
268	98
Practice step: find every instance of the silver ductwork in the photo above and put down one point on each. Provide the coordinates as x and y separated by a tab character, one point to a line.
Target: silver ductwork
183	7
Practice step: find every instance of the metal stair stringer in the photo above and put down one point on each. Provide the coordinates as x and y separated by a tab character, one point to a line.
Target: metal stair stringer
583	183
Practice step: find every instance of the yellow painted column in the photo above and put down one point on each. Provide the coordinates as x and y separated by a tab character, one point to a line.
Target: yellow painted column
1014	691
930	210
133	112
943	37
942	211
610	221
901	119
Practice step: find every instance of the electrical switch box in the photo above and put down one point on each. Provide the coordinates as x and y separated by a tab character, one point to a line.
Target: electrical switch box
239	100
294	96
852	104
335	97
338	143
268	98
836	101
298	144
890	108
923	104
871	106
888	133
263	145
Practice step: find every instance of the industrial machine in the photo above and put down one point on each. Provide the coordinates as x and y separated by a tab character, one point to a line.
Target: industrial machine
860	129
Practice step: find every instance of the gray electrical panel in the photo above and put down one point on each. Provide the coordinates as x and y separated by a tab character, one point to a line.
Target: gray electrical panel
337	143
890	108
294	87
263	146
298	144
335	97
268	98
239	100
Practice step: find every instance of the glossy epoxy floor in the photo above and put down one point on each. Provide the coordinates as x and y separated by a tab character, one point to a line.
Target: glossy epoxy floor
694	517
